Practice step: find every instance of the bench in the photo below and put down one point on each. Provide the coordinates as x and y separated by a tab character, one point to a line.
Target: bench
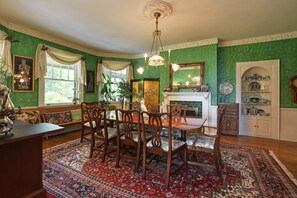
68	117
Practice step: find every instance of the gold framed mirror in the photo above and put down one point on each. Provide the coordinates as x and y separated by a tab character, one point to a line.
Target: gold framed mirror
189	75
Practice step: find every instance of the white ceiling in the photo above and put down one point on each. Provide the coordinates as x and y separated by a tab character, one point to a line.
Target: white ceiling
119	26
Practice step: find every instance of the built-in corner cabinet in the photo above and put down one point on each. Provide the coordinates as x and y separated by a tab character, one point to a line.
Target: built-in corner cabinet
257	92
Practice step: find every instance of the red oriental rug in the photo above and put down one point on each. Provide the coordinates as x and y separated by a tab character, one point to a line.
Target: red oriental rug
248	172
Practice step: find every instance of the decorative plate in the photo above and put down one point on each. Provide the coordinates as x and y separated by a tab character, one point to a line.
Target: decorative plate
226	88
254	86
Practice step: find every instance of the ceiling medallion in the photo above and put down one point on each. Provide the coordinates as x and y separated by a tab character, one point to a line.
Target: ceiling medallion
157	6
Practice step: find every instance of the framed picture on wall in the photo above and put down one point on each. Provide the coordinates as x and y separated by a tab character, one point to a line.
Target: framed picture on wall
90	81
23	74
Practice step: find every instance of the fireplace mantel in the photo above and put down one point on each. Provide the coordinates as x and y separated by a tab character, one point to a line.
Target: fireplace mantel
201	94
204	97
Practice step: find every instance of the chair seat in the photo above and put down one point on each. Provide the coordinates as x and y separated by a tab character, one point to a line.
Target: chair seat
175	144
87	124
202	141
175	133
135	136
112	132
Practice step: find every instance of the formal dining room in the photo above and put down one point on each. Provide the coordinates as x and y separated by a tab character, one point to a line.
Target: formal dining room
148	98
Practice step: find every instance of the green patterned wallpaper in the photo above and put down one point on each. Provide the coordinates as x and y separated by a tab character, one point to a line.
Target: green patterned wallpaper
219	65
285	50
27	47
206	54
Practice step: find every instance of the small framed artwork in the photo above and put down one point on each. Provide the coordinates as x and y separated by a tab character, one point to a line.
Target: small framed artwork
90	81
23	74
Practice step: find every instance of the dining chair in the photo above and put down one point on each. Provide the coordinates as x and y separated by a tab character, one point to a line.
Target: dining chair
100	132
201	144
153	108
161	147
178	113
84	119
135	106
129	141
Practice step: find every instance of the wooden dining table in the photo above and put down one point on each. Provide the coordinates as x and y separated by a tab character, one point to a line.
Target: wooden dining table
189	125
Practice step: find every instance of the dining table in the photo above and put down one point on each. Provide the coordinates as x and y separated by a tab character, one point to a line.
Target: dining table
185	126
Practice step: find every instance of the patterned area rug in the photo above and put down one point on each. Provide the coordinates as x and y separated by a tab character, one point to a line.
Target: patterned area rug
248	172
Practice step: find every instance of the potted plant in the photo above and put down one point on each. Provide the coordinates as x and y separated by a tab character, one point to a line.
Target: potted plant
107	92
123	91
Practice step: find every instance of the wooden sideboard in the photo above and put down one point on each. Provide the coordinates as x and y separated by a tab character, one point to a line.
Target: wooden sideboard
21	160
230	123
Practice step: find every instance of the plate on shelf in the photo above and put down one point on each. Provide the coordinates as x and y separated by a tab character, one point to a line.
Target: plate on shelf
254	86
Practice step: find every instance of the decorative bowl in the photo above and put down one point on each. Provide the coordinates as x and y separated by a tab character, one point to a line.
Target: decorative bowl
254	100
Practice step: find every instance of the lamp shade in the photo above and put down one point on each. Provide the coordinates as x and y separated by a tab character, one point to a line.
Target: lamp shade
156	60
175	67
140	70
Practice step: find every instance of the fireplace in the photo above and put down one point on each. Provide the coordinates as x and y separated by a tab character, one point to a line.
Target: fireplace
194	108
198	103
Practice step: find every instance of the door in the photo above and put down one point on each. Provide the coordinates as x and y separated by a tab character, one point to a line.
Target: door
248	126
264	127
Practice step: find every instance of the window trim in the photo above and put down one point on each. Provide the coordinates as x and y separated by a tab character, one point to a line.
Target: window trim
110	71
41	92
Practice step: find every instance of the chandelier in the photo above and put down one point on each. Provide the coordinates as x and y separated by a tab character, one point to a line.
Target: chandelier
157	9
155	58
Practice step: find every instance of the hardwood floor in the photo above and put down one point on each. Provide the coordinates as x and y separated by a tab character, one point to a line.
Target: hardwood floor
284	150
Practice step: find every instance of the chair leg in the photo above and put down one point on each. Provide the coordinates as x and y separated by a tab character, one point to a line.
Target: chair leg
220	158
137	158
167	178
92	146
118	153
186	158
144	164
218	168
104	151
82	134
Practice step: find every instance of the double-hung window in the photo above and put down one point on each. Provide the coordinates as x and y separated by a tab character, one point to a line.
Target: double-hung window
116	76
61	83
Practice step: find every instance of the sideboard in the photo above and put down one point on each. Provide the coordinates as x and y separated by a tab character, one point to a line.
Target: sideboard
21	160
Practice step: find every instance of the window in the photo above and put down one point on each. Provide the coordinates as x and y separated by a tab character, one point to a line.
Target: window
1	48
61	83
116	76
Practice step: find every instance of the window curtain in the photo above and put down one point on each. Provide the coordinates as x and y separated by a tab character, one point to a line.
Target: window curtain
58	55
6	54
115	66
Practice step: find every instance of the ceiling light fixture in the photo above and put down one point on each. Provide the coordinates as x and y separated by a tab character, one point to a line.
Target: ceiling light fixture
155	58
156	9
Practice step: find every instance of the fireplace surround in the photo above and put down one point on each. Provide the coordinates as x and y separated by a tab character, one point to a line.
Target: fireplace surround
184	97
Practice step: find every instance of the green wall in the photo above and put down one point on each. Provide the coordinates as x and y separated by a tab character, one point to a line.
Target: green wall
220	65
206	54
285	50
27	47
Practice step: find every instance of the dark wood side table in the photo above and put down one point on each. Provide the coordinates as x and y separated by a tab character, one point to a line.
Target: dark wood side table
230	123
21	160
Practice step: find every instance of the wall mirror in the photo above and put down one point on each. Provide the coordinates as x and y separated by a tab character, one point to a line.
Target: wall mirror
189	75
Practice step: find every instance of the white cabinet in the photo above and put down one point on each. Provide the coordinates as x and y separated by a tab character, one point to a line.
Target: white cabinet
256	126
257	92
